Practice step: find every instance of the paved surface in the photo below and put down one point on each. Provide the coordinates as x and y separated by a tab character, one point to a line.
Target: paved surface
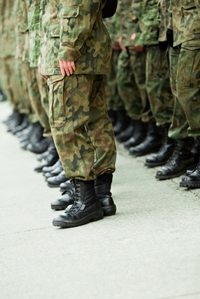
149	250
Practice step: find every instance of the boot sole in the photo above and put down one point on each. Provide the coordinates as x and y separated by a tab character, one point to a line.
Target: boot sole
165	177
189	185
92	217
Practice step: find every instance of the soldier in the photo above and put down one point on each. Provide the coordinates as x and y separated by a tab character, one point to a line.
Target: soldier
162	104
114	101
131	78
75	56
183	36
157	80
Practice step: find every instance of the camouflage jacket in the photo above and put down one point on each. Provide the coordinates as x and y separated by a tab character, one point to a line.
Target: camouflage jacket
33	7
185	22
128	15
74	30
164	19
148	24
113	26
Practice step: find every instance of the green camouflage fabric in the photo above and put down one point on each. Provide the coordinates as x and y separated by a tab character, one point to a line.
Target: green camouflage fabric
185	22
33	7
114	100
185	81
148	23
38	112
80	125
131	84
158	85
113	26
179	126
81	129
69	32
131	66
164	18
37	86
8	53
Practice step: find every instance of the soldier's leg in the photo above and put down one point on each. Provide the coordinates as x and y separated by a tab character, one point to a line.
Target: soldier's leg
161	100
82	130
182	157
114	100
84	136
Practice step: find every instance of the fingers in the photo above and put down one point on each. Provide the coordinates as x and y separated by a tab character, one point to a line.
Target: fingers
67	67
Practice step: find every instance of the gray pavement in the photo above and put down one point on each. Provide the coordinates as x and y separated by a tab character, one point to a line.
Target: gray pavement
149	250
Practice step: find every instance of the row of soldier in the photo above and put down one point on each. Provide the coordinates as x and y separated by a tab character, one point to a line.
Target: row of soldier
156	46
152	89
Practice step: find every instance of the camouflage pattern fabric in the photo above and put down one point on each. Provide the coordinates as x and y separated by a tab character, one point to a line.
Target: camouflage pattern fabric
131	66
158	85
69	32
81	128
130	76
164	18
114	100
148	23
185	22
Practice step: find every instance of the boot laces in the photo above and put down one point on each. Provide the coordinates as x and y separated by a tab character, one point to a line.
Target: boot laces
78	204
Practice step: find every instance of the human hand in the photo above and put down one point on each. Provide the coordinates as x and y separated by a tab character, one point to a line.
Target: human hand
67	67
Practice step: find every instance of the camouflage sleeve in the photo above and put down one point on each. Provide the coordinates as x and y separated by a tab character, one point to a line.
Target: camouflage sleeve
77	21
148	24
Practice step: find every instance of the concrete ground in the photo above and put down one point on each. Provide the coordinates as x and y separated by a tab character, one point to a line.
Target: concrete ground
149	250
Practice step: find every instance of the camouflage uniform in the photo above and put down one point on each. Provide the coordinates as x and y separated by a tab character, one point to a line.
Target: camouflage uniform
114	100
37	85
8	77
157	68
81	128
185	65
131	66
21	67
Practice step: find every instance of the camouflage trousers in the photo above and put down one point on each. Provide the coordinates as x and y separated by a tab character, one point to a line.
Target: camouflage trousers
9	82
114	100
131	84
158	85
35	98
81	129
185	82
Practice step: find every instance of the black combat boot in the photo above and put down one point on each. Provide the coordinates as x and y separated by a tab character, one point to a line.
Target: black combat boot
86	207
39	147
67	198
102	187
127	133
55	181
139	134
49	160
164	153
122	122
15	120
151	143
23	125
191	179
181	160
